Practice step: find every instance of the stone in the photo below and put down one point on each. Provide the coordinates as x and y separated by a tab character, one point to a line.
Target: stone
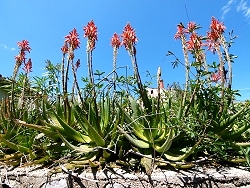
37	177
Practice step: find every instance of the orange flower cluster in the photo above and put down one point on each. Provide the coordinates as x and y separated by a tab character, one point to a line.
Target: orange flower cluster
181	31
65	48
28	66
195	42
72	39
24	47
128	37
115	41
216	77
90	31
192	26
216	30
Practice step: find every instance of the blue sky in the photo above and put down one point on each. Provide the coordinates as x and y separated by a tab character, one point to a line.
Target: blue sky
45	23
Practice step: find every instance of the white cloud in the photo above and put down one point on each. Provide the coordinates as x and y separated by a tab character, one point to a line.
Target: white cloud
225	9
7	48
243	7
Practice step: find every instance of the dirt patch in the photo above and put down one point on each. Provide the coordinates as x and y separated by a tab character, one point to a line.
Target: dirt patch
36	177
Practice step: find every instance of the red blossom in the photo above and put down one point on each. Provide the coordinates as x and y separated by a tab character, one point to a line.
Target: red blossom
192	26
20	57
128	37
211	43
115	41
217	28
195	42
65	48
24	45
181	31
90	31
72	39
216	77
28	66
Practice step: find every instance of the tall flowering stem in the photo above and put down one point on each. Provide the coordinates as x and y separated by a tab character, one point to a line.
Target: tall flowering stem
194	46
181	34
129	40
214	41
115	43
27	69
90	32
230	68
20	58
75	83
71	43
64	50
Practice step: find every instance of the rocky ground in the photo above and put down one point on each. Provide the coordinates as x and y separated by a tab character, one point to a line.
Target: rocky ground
22	177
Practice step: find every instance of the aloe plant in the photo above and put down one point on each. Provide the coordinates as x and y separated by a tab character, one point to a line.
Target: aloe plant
109	121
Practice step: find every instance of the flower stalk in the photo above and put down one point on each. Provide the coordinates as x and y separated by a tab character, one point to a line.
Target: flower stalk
214	42
129	40
115	43
181	34
64	50
79	93
225	48
20	58
90	31
27	69
71	43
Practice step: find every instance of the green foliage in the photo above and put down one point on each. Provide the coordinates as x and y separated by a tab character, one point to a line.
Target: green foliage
114	119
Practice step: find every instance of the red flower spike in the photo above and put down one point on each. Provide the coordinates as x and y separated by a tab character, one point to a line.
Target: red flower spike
72	39
128	37
24	45
65	48
115	41
195	42
217	27
215	77
192	27
90	31
20	57
216	30
211	43
181	31
28	66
